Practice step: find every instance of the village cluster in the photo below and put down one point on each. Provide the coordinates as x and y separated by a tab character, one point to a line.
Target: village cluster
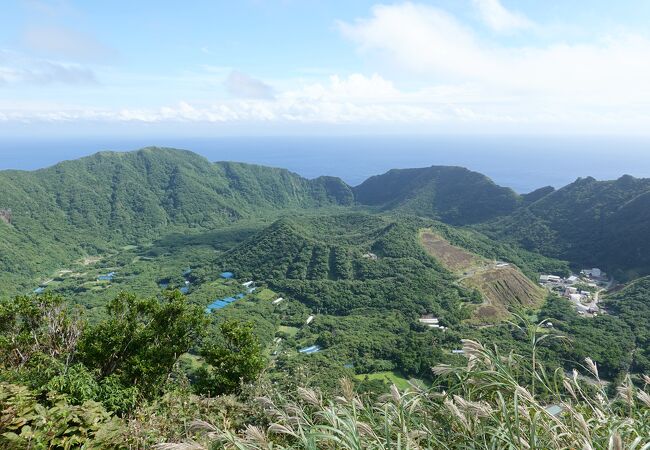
582	290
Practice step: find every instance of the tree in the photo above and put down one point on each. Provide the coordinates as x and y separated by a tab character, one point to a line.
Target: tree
141	340
31	326
233	356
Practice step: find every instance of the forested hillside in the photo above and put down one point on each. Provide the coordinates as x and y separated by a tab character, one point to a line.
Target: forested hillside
593	223
110	199
187	291
632	305
452	195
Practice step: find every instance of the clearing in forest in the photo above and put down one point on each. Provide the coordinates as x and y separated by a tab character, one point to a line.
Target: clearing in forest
501	286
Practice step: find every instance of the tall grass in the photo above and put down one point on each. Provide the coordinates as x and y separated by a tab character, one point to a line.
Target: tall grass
482	405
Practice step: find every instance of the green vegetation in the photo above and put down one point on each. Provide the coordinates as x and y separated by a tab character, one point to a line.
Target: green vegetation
119	348
482	405
632	305
450	194
109	200
590	223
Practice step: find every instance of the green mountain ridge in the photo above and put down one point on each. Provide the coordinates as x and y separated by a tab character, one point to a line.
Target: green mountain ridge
589	222
87	206
111	198
453	195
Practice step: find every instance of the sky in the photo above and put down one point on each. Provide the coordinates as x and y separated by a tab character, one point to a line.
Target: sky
263	67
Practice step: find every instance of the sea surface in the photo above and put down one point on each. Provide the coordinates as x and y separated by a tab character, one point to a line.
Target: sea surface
523	163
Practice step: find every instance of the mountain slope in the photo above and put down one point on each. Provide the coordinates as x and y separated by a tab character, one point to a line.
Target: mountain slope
502	286
592	223
452	195
109	199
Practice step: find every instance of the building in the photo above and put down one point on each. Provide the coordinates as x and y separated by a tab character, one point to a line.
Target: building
370	255
247	284
595	272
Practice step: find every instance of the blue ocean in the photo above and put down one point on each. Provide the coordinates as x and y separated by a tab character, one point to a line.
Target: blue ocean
523	163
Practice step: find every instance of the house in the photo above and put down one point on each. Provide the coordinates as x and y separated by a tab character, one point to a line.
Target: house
572	279
543	278
575	298
595	272
554	279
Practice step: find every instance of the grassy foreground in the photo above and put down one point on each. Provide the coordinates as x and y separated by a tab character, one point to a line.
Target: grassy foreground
483	405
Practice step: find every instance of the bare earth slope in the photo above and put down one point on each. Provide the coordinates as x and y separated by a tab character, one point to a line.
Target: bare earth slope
501	285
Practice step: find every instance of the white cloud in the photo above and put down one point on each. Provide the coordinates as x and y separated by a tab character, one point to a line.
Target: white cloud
62	42
17	69
426	41
356	100
241	85
500	19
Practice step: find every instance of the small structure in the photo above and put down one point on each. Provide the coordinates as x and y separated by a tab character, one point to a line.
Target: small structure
575	297
572	279
223	302
309	320
554	410
108	277
226	275
184	290
39	290
310	350
276	301
592	273
458	352
6	216
370	255
431	322
248	284
502	264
